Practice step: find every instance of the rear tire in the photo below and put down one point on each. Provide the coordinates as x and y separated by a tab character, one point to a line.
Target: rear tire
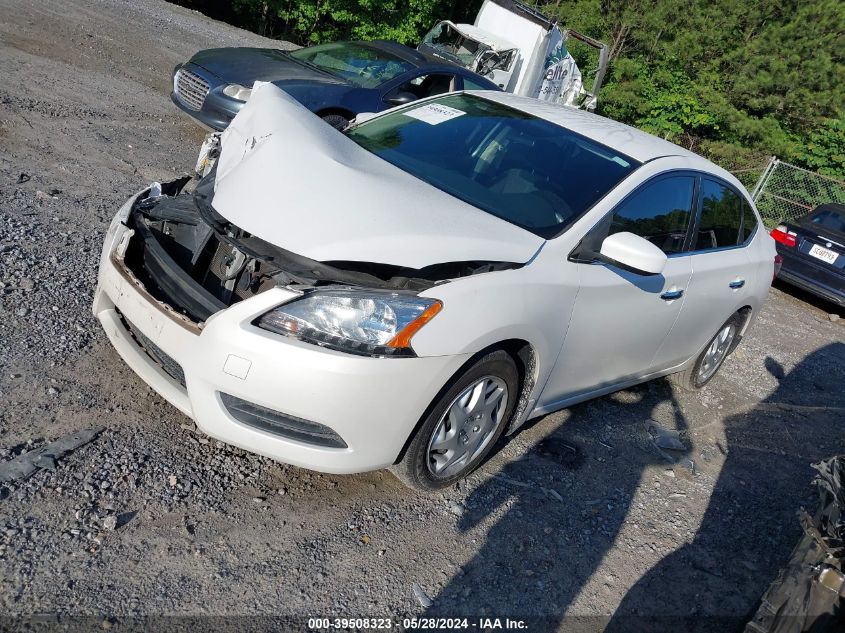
463	424
708	363
337	121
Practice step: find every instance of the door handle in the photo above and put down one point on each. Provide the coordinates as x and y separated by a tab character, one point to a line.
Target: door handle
671	295
737	283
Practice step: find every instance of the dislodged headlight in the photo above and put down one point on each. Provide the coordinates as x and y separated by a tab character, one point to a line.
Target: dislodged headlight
360	322
237	91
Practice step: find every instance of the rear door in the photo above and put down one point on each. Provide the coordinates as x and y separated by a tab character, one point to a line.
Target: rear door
621	318
723	269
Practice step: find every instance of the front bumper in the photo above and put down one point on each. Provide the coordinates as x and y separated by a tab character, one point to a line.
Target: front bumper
373	404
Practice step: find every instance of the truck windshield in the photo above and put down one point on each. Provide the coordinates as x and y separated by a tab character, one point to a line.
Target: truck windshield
362	66
520	168
447	39
444	40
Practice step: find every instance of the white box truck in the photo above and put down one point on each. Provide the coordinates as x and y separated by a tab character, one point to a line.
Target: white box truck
520	50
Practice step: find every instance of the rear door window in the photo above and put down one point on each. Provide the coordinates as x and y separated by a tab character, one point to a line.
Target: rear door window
720	224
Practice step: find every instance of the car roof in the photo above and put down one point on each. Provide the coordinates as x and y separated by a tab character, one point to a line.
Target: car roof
623	138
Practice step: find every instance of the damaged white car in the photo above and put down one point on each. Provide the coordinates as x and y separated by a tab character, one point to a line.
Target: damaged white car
402	294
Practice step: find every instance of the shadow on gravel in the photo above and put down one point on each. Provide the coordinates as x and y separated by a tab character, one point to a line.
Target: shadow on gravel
751	524
806	297
541	554
560	524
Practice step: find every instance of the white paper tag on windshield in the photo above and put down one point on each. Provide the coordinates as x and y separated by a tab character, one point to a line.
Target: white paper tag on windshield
434	113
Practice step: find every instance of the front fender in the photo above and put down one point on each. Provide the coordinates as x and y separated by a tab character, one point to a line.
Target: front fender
532	304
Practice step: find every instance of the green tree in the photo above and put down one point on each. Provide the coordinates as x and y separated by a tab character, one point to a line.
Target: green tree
736	81
824	149
316	21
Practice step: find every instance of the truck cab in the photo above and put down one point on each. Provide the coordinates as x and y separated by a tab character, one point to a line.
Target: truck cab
520	50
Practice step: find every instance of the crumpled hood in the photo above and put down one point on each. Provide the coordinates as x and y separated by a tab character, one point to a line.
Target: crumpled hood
290	179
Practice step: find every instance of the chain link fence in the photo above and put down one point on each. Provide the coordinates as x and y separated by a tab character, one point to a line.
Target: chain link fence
785	192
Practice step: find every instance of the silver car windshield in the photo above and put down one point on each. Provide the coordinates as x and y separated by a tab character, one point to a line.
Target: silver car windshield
523	169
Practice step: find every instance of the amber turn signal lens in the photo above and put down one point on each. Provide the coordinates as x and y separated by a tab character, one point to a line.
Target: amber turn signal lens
403	339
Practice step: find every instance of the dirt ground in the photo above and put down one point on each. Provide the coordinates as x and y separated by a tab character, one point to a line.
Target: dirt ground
578	521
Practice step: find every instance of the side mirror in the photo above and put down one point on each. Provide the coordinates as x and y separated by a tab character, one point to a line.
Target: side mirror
401	98
363	117
633	252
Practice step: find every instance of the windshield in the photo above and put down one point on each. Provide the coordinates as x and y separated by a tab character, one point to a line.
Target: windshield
520	168
360	65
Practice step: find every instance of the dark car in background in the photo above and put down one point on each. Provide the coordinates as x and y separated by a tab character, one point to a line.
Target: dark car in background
813	252
336	81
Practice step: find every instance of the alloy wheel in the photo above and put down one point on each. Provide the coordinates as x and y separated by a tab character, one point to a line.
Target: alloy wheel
716	352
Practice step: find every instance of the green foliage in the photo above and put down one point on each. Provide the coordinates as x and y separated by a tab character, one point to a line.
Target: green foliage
328	20
824	150
664	102
734	80
315	21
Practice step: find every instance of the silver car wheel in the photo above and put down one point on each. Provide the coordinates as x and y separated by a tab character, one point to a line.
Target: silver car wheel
467	427
716	352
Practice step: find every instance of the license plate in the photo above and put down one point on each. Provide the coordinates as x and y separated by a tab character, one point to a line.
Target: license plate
824	254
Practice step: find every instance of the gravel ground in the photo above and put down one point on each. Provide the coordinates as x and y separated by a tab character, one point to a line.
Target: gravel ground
579	516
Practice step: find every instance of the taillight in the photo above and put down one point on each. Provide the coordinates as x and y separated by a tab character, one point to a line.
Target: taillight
778	264
784	236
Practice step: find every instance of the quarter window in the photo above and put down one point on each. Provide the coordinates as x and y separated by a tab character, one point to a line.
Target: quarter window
660	212
721	223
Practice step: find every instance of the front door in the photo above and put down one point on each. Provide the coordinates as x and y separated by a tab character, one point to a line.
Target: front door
621	318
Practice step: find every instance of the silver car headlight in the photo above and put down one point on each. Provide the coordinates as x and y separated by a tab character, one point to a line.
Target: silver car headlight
237	91
371	323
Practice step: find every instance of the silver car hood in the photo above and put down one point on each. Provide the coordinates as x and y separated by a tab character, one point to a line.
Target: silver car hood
288	178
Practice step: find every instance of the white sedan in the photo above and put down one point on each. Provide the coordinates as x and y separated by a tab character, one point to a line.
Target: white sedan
403	293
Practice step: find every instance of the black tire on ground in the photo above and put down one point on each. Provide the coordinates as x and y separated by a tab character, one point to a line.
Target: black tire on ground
413	469
690	379
337	121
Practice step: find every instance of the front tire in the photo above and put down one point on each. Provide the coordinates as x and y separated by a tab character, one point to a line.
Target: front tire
708	363
462	425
